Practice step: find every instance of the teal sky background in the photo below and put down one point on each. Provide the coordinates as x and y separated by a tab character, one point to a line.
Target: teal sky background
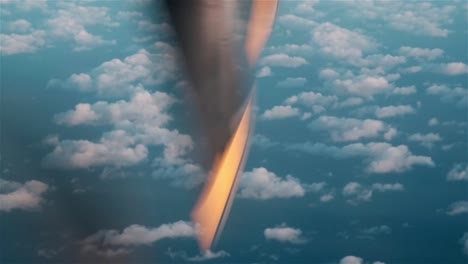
359	153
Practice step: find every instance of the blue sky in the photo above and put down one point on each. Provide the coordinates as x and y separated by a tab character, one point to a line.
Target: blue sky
359	153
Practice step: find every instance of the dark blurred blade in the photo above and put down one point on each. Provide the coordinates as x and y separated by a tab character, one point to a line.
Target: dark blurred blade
211	37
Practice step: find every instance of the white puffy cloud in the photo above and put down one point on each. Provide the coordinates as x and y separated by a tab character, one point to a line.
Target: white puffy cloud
426	140
342	43
264	72
15	43
283	60
114	148
70	22
328	73
262	184
416	18
433	122
357	193
20	25
137	123
27	196
284	234
370	233
291	49
27	5
459	172
406	90
413	22
348	129
453	68
390	134
112	242
383	61
142	108
291	21
207	255
262	141
280	112
456	208
351	101
355	260
421	53
379	157
327	197
363	85
412	69
351	260
457	95
391	111
186	175
387	187
317	102
292	82
125	77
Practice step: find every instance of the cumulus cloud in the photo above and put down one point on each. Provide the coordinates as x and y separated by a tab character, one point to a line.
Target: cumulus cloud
262	184
328	73
317	102
378	157
20	25
372	232
456	208
291	21
355	260
207	255
291	49
142	108
421	53
357	193
70	22
263	141
416	18
284	234
348	129
27	196
27	5
351	260
426	140
457	95
283	60
453	68
114	148
125	77
363	85
391	111
280	112
459	172
112	242
11	44
186	175
292	82
264	72
341	43
137	123
406	90
390	134
433	122
385	62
